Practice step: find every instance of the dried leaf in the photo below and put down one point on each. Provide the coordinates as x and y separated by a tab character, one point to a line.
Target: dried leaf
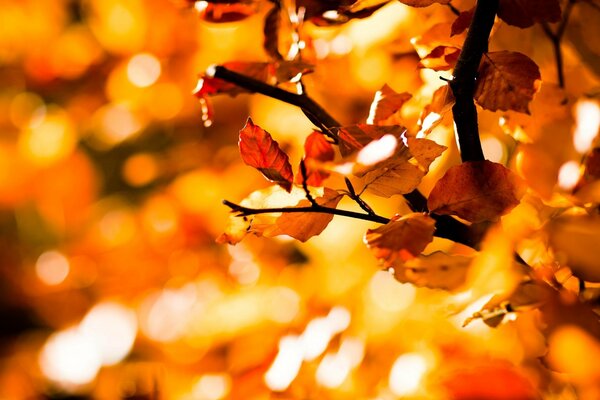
385	104
524	13
403	238
259	150
462	22
576	239
435	271
476	191
316	150
507	81
303	226
441	58
423	3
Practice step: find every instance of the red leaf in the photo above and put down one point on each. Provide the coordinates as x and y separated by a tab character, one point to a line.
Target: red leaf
507	80
404	237
230	12
386	103
463	21
441	58
476	191
316	150
524	13
259	150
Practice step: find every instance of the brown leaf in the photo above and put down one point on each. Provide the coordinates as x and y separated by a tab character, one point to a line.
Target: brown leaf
316	150
386	103
441	58
303	226
403	238
423	3
441	102
436	36
271	32
575	240
524	13
355	137
462	22
229	12
435	271
259	150
402	172
507	81
476	191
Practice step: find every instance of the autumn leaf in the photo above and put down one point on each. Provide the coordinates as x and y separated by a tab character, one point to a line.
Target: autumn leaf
438	270
353	138
441	58
316	150
476	191
507	81
210	86
259	150
462	22
385	104
423	3
575	240
271	32
403	238
524	13
439	35
433	113
229	12
302	226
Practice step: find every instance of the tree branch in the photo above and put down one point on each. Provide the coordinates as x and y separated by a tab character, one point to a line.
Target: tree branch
463	83
556	38
245	211
314	111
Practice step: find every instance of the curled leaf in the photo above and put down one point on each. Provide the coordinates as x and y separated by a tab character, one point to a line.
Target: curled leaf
259	150
476	191
403	238
507	80
385	104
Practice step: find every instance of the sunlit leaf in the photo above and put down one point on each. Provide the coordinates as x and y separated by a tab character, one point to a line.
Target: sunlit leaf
507	81
476	191
423	3
302	226
441	58
259	150
524	13
403	238
438	270
355	137
385	104
316	150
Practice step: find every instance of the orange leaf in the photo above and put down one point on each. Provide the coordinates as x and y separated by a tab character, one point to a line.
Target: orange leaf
441	58
423	3
404	237
476	191
259	150
316	149
462	22
385	104
355	137
524	13
302	226
435	271
507	80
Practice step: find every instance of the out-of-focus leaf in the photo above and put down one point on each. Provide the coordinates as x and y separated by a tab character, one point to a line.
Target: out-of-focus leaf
355	137
316	150
286	71
524	13
576	240
507	81
259	150
303	226
439	35
423	3
403	238
437	270
462	22
385	104
209	86
227	12
441	102
340	11
441	58
271	32
476	191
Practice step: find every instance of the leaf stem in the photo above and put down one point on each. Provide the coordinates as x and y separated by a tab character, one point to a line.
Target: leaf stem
245	211
463	83
556	38
314	111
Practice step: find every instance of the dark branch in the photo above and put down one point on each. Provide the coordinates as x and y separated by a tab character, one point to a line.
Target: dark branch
463	83
314	111
309	197
245	211
454	10
357	198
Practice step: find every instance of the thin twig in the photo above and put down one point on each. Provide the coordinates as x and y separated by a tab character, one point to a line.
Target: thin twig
246	211
463	83
356	197
556	38
320	117
454	10
305	185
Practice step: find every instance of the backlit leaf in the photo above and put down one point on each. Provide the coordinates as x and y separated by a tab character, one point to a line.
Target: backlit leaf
462	22
259	150
316	150
435	271
385	104
229	12
355	137
507	81
575	239
423	3
403	238
524	13
441	58
303	226
476	191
